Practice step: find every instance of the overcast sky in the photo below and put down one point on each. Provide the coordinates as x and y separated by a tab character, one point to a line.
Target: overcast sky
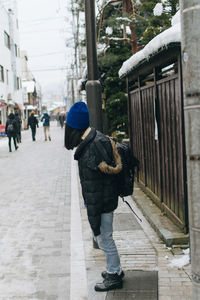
44	28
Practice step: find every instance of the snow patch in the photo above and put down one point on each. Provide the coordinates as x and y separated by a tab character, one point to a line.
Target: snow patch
116	39
171	35
158	9
109	30
100	48
124	19
128	31
181	261
176	19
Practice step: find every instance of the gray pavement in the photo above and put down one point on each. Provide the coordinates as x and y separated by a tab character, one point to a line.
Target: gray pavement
45	239
148	263
35	186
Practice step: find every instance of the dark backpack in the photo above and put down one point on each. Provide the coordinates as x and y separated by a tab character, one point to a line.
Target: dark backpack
10	128
125	179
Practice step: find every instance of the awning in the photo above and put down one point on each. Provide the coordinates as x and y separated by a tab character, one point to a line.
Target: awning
30	107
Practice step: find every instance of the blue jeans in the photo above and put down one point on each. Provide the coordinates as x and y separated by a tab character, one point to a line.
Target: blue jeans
107	244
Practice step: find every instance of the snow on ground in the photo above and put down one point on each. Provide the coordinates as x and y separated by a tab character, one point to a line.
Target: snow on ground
181	261
171	35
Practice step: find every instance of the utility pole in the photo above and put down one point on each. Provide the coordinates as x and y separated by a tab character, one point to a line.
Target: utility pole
93	86
190	24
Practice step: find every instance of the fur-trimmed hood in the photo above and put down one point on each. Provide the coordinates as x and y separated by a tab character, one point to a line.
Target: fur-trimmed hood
108	169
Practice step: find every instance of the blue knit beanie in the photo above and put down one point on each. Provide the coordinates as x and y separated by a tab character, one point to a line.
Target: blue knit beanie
78	116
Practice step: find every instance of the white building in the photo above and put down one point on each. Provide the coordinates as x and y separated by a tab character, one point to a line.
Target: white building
10	65
32	96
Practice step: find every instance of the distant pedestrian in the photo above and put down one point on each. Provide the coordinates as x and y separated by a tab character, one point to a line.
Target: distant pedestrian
33	123
46	125
11	131
62	119
98	181
19	122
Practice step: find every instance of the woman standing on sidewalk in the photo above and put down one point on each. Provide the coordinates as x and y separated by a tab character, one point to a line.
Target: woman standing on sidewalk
98	183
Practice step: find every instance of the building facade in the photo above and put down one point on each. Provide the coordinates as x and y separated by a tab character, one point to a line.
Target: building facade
10	65
32	96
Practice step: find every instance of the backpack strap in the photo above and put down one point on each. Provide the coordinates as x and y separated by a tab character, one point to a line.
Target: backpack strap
131	208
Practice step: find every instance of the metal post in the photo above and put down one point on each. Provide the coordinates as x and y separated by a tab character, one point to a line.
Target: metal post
93	86
190	13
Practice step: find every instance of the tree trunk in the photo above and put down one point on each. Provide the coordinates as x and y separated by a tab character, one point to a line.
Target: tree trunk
127	4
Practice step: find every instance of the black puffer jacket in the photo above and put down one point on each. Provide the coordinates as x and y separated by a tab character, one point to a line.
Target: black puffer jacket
98	187
32	121
12	121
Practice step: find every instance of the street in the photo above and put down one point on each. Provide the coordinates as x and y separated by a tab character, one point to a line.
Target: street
45	239
35	218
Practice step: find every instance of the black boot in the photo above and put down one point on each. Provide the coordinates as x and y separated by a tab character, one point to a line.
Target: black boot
111	282
104	274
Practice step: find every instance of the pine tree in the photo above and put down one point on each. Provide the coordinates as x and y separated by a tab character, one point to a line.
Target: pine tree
118	24
117	49
155	24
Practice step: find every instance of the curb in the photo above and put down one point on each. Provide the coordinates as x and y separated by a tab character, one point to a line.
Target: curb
165	228
78	278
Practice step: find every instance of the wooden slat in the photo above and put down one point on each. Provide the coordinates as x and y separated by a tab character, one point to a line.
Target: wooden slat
162	162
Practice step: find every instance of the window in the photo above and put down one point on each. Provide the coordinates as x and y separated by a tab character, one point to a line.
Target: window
1	74
7	40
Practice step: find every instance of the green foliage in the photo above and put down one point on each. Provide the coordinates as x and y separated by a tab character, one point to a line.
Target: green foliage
110	64
155	24
146	27
116	109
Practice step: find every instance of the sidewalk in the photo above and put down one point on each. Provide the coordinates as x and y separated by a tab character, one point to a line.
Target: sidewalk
150	271
37	227
35	218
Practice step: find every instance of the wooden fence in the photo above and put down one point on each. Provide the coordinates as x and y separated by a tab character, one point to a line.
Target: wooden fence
156	126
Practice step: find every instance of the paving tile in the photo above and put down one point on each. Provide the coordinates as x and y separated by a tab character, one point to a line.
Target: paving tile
34	254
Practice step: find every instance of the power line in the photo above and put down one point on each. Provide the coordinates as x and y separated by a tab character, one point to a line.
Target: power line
51	69
43	19
39	31
46	54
